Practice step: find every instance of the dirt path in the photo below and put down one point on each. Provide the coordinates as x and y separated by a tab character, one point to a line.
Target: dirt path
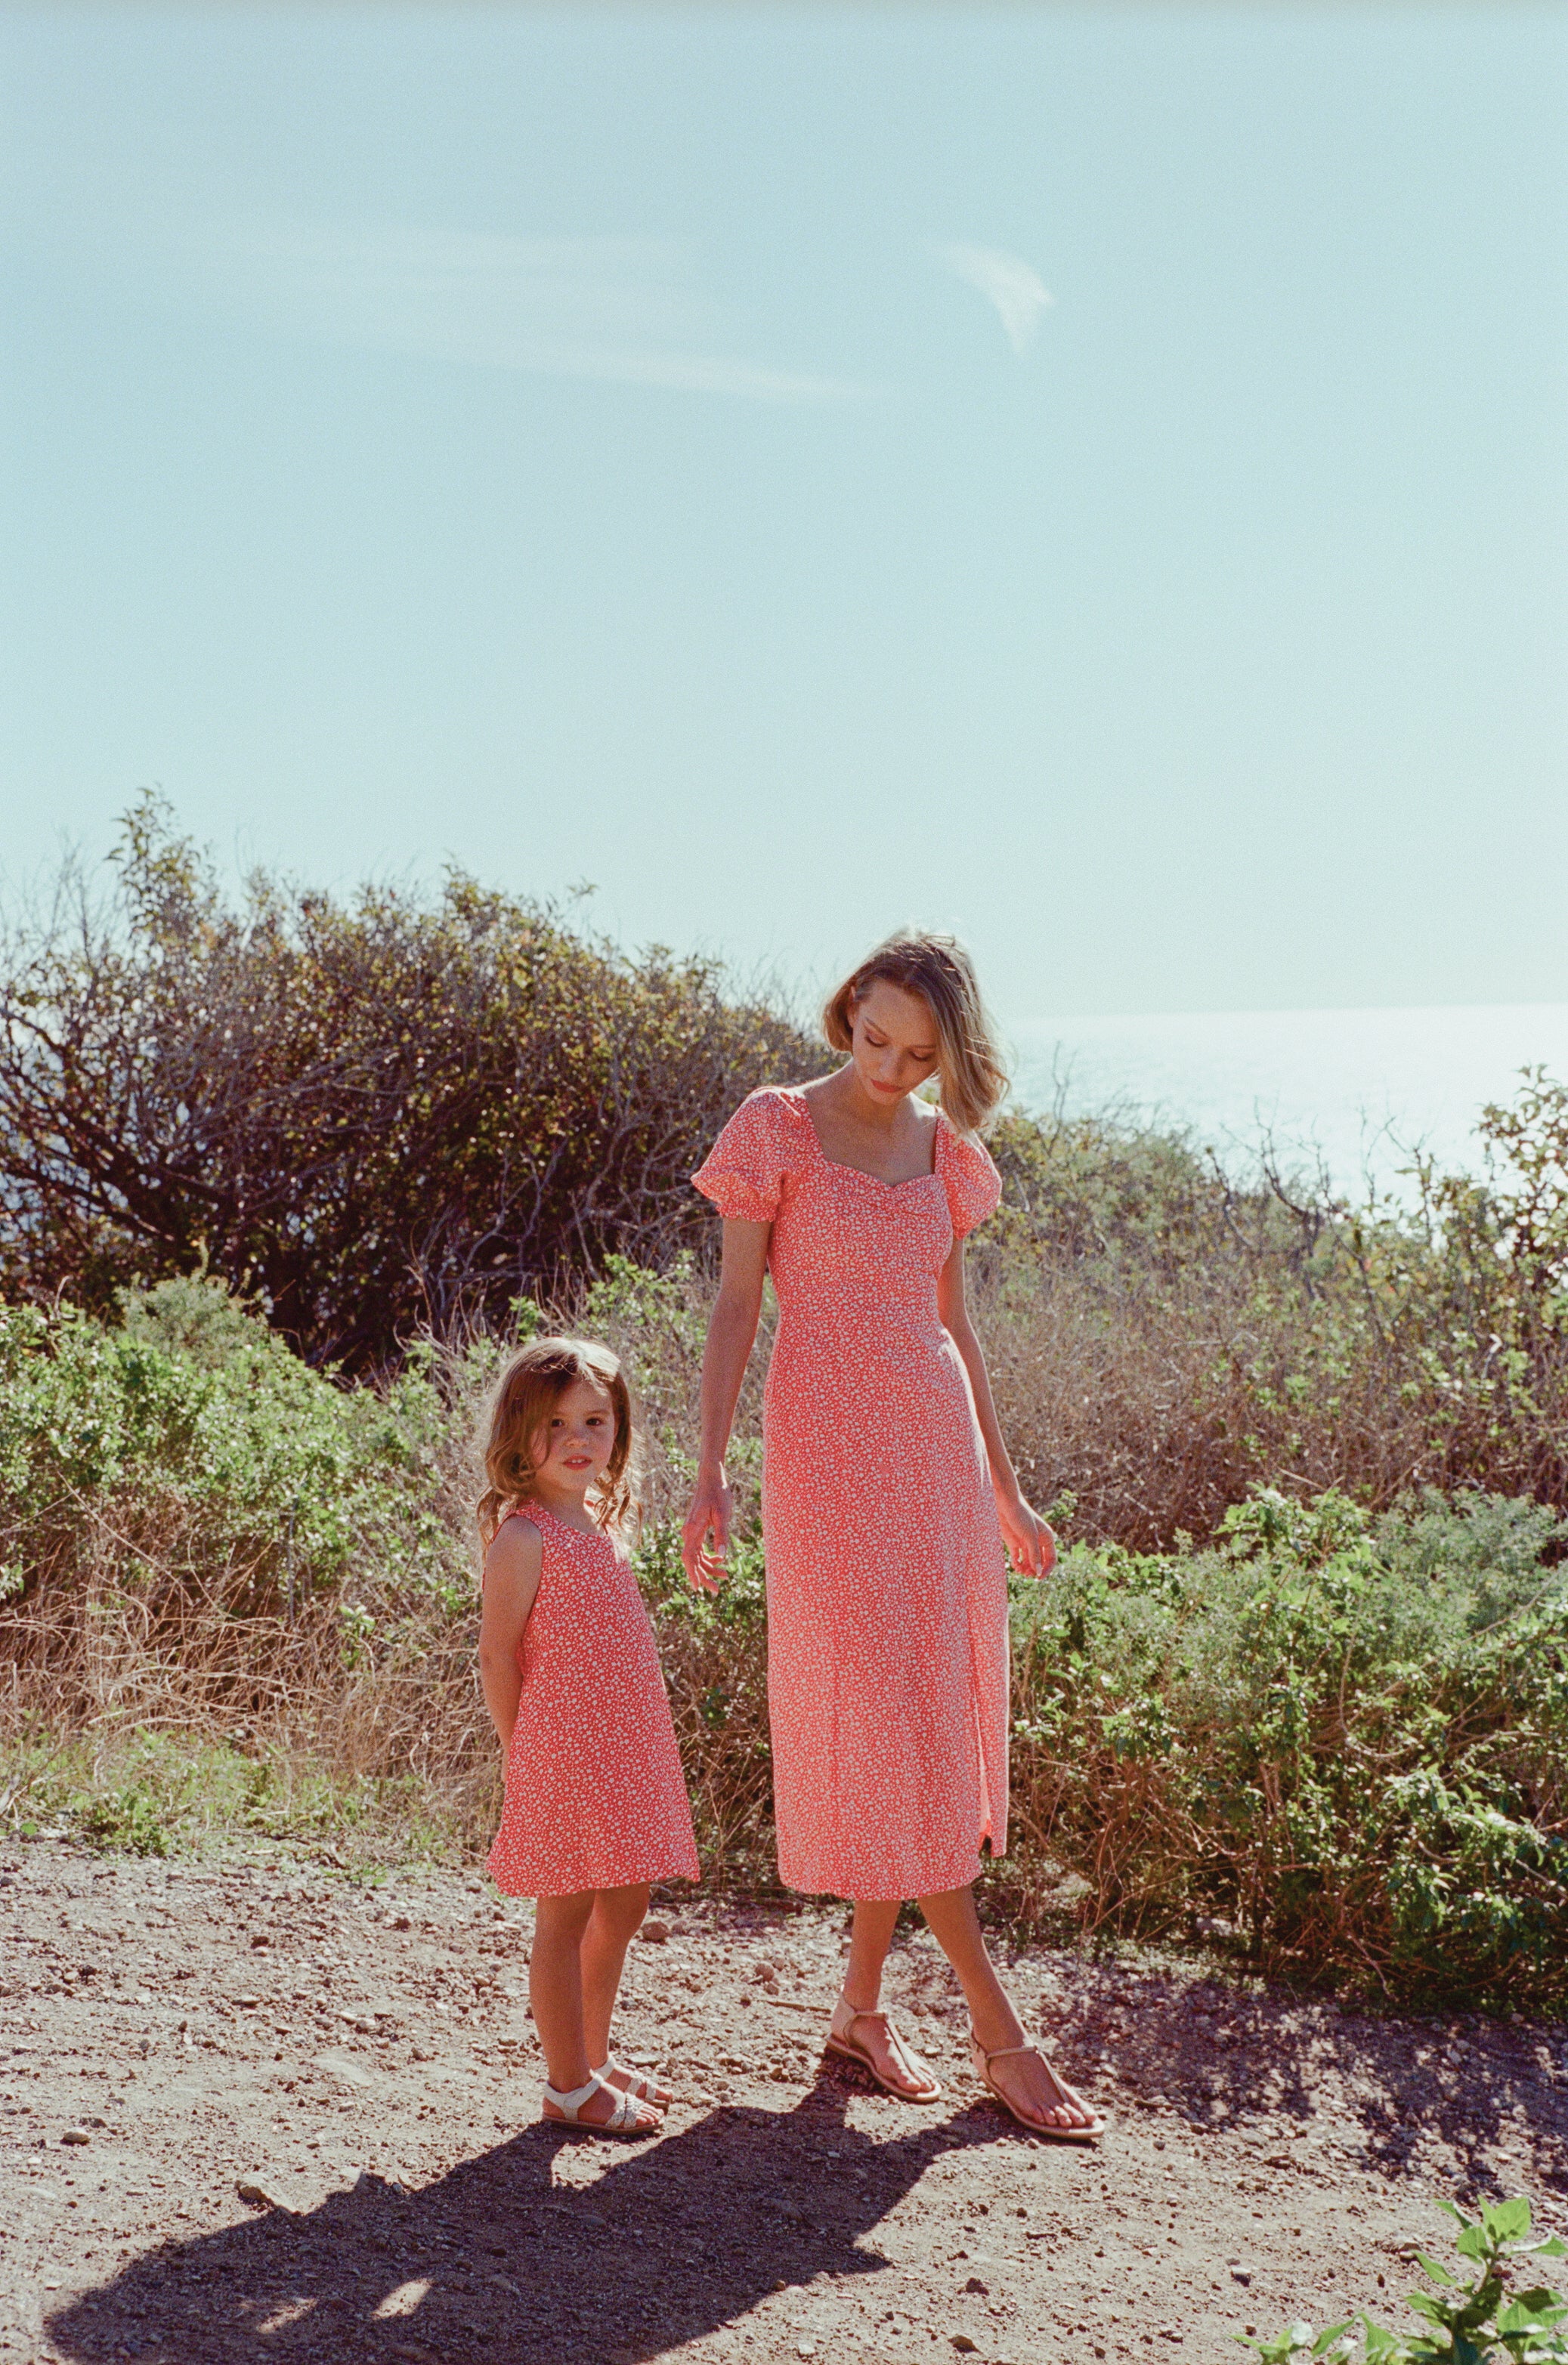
173	2031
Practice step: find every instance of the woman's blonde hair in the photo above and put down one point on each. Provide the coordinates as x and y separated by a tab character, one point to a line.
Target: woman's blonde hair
521	1402
969	1062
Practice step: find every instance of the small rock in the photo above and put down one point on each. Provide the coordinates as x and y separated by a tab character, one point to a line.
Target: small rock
966	2346
260	2195
343	2066
655	1934
975	2284
402	1922
75	2135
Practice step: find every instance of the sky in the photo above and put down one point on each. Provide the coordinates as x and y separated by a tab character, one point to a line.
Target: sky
1089	478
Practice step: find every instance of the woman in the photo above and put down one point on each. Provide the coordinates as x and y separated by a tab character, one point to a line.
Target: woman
887	1493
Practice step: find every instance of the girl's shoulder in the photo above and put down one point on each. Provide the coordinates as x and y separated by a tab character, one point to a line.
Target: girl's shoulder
519	1524
517	1548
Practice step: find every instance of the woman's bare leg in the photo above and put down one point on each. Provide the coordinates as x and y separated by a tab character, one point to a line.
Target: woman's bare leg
556	1996
901	2068
616	1918
955	1925
871	1925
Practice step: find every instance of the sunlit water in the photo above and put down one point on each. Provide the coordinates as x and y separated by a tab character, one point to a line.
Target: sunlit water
1355	1092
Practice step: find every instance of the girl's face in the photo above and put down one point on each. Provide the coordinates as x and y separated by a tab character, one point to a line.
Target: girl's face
573	1447
893	1042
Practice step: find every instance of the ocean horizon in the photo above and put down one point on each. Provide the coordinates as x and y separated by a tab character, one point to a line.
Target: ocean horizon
1355	1096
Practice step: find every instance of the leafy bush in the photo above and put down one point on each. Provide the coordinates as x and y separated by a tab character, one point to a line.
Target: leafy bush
140	1792
1163	1340
373	1116
390	1115
1470	2319
1332	1738
195	1525
1343	1736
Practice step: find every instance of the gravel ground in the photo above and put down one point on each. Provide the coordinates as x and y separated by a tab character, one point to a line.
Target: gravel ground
361	2060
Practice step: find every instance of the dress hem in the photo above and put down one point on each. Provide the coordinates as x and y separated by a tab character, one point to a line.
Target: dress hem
616	1877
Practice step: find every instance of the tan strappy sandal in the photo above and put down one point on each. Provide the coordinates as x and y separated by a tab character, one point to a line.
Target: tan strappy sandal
840	2040
980	2061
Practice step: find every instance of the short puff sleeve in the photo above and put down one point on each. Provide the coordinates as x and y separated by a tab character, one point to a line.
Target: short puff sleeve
971	1181
744	1172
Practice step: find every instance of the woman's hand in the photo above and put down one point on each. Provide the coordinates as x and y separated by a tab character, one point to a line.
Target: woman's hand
1029	1538
705	1538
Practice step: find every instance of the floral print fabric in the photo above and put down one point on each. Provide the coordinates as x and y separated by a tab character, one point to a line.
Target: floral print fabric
887	1590
594	1796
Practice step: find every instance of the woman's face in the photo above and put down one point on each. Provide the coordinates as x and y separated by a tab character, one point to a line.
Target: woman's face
893	1042
575	1444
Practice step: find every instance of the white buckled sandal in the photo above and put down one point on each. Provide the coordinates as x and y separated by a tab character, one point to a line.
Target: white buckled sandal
625	2118
646	2090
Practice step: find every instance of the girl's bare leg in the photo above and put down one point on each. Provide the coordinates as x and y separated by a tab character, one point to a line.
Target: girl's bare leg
955	1925
616	1918
556	1996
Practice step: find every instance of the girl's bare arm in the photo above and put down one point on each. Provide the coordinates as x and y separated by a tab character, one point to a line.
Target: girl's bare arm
1030	1541
732	1334
511	1579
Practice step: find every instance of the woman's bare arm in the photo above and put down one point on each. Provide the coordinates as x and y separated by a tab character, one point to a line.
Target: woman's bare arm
512	1568
732	1334
1030	1541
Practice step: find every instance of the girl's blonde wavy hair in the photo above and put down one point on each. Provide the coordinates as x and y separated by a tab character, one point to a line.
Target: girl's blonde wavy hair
521	1402
973	1081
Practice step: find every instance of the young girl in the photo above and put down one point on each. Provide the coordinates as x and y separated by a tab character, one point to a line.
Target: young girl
595	1807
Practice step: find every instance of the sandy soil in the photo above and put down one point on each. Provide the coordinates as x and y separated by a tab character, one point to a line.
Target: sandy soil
363	2057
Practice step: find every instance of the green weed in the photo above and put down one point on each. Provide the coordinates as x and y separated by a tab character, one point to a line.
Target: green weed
1466	2318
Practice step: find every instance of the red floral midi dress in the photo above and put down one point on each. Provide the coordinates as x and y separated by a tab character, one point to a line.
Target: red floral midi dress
594	1797
887	1587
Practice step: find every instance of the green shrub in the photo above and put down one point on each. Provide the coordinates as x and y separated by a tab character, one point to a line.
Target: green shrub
1468	2319
374	1115
1343	1736
144	1793
1332	1738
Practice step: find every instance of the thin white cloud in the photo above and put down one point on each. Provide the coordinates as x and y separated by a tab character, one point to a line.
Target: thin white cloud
611	308
1015	289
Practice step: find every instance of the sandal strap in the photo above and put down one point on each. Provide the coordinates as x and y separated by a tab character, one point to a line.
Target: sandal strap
569	2104
628	2111
904	2056
637	2081
1011	2052
625	2112
845	2017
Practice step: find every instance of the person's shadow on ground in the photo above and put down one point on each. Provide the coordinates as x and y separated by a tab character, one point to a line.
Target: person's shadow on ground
1222	2056
497	2260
